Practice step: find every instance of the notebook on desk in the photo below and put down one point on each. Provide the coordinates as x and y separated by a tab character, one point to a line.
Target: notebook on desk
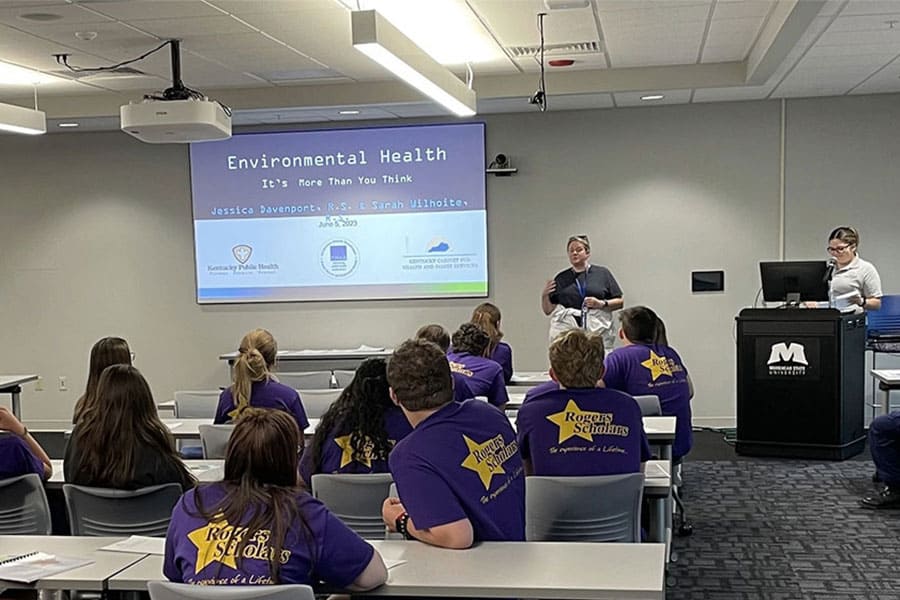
28	568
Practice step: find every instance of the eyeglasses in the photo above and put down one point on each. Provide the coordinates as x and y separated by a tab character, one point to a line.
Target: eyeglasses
837	249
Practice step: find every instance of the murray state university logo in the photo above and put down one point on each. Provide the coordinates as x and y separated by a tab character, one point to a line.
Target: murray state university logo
787	358
242	253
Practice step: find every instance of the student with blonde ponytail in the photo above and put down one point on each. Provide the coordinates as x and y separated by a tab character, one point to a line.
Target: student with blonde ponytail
255	384
487	316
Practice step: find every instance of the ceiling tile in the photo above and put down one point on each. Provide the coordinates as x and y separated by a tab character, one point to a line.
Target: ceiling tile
139	10
743	9
731	94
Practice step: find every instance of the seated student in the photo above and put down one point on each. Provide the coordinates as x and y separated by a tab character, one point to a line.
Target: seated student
646	364
124	445
884	443
487	316
438	335
105	352
459	474
581	429
483	376
20	454
258	526
357	432
255	385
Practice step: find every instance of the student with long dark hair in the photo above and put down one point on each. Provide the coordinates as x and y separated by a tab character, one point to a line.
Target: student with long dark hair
125	445
646	364
258	526
105	352
256	385
357	432
487	316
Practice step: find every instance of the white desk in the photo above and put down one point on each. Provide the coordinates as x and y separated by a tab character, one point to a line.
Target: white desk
529	378
202	469
888	379
321	359
12	385
167	408
92	577
496	570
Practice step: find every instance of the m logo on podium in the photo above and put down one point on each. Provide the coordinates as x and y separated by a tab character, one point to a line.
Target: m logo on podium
787	358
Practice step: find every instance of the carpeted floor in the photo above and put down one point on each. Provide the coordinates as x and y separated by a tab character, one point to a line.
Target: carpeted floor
782	529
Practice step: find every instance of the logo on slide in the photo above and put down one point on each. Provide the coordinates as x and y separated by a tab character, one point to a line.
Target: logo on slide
242	253
339	258
787	358
438	244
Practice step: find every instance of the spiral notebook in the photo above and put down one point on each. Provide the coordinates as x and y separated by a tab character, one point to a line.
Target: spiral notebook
28	568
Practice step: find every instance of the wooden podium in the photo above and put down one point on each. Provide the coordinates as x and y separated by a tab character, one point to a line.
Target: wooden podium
800	383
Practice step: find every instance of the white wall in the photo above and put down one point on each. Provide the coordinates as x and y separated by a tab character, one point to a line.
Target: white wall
96	240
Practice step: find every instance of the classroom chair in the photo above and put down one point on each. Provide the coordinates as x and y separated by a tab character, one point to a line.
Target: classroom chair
104	511
316	402
343	377
23	506
308	380
604	508
165	590
649	405
214	440
196	404
355	499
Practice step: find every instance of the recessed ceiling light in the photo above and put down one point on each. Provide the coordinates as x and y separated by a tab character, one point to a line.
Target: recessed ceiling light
67	125
652	97
348	112
40	17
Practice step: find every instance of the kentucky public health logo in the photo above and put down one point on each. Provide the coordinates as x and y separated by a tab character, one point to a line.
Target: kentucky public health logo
339	258
787	358
242	253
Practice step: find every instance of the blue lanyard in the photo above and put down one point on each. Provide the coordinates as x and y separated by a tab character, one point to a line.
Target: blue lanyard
582	286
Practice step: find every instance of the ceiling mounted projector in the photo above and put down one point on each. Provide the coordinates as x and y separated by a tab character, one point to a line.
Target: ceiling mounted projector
179	115
176	121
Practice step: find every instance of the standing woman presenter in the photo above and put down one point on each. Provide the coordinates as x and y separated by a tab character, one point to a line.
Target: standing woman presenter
851	273
583	296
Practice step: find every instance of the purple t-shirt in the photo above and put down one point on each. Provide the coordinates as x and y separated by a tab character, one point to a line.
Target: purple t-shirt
197	552
463	462
483	376
537	390
16	458
337	453
461	389
579	432
265	394
502	355
640	370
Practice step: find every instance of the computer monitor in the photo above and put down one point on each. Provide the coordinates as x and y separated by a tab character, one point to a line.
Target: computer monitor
794	281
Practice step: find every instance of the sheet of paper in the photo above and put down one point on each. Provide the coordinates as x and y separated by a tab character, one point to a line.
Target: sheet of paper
139	544
38	565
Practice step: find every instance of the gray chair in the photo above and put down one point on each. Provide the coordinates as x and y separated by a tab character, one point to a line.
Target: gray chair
343	377
649	404
104	511
309	380
604	508
196	404
23	506
316	402
164	590
355	499
214	439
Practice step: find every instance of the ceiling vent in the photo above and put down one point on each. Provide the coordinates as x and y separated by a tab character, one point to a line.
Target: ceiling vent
572	48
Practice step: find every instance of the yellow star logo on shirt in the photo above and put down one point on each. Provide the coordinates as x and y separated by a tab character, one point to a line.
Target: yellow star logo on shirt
657	365
347	452
213	544
482	459
574	422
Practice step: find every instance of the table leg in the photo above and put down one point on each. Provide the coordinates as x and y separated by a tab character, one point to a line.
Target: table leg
16	401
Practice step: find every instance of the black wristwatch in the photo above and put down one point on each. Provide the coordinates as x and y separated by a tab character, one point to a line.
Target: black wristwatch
402	525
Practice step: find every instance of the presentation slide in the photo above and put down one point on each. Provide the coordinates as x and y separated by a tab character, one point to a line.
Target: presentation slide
344	214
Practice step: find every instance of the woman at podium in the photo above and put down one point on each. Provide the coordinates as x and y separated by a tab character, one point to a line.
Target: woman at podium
854	282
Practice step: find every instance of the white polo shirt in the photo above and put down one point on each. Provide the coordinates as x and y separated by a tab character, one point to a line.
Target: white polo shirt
859	276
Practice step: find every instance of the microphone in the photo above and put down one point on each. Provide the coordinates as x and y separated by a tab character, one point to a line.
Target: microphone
829	272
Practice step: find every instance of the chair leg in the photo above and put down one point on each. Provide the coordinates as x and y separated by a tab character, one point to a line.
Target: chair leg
684	526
